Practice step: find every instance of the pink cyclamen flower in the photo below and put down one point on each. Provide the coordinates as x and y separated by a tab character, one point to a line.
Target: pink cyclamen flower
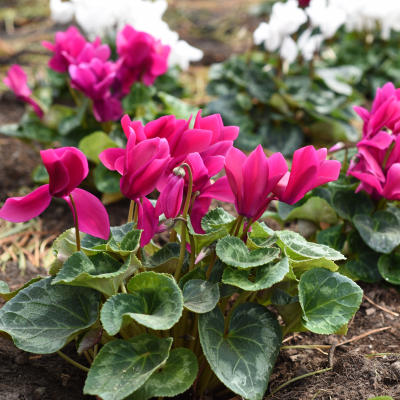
144	58
169	202
253	179
309	170
385	112
377	166
67	168
94	79
16	80
71	47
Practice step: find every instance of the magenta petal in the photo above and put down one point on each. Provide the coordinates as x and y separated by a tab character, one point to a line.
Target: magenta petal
162	127
198	213
147	220
109	157
58	172
392	187
220	190
277	169
190	141
170	200
234	161
368	179
16	80
328	171
362	112
21	209
36	107
214	165
92	215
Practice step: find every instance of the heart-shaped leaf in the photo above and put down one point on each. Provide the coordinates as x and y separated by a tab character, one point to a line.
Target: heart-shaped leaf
42	317
381	232
389	267
225	290
266	276
314	209
5	290
93	144
348	204
365	264
124	239
200	296
197	273
332	237
297	248
176	376
100	272
89	339
232	251
216	219
123	366
305	265
243	359
155	301
165	260
328	300
254	243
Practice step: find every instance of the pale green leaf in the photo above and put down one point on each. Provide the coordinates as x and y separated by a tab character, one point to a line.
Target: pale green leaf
200	296
95	143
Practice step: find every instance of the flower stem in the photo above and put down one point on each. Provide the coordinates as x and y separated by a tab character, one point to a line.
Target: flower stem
389	150
287	328
172	238
247	229
239	224
194	333
132	207
74	363
192	252
211	266
136	213
178	270
78	239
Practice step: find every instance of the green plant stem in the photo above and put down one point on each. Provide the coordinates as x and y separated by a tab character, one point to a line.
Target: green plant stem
247	229
178	270
73	93
107	126
310	346
78	239
123	288
239	224
194	333
287	328
243	296
381	204
182	327
95	350
172	237
175	334
253	296
192	252
385	160
222	393
223	304
135	214
132	206
297	378
234	225
86	354
74	363
211	266
204	379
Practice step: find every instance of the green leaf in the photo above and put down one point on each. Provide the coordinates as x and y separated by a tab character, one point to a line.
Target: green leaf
124	240
254	243
365	264
259	229
90	242
336	77
314	209
200	296
156	302
176	106
288	307
197	273
328	300
297	248
305	265
106	181
95	143
266	276
89	339
225	290
348	204
5	290
100	272
38	132
165	260
12	130
232	251
176	376
389	267
123	366
42	317
332	237
382	398
40	175
243	359
381	232
119	232
216	219
285	137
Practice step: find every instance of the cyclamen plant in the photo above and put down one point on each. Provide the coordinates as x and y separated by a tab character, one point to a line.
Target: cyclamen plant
156	321
359	213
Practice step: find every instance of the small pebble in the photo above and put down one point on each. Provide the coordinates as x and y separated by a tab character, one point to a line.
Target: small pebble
39	392
22	359
370	311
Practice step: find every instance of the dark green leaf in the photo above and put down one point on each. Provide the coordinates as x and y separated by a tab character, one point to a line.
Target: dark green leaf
389	267
5	291
243	359
89	339
348	204
197	273
40	175
332	237
232	251
165	260
200	296
328	300
156	302
123	366
106	181
381	232
42	317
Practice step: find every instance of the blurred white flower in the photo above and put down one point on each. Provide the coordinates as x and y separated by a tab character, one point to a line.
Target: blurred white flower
261	33
288	50
104	17
309	44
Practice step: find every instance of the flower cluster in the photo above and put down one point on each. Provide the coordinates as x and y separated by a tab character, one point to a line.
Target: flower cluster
377	164
324	19
102	18
91	72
